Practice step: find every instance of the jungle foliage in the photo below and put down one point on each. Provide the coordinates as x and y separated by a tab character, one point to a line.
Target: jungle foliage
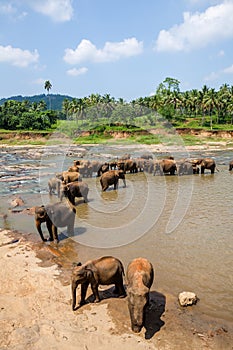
204	108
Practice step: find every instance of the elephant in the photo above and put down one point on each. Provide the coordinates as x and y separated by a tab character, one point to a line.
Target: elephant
128	165
54	215
74	189
103	169
141	163
69	176
187	168
126	156
113	165
112	177
205	163
105	270
75	167
147	156
54	184
140	276
165	166
230	165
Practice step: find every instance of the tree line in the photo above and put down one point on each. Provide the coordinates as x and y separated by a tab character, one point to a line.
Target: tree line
206	107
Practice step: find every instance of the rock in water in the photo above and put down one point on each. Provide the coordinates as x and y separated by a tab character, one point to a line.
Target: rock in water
187	298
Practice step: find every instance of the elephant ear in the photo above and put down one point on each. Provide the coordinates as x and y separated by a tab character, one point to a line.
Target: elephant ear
89	272
41	212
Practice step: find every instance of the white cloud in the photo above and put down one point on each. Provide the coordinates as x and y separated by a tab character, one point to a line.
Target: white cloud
211	77
39	81
112	51
18	57
12	11
58	10
75	72
228	70
7	9
198	29
221	53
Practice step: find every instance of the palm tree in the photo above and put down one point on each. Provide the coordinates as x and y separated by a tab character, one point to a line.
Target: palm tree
209	103
48	86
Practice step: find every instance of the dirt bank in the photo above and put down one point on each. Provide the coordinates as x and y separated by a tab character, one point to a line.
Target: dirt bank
200	133
35	309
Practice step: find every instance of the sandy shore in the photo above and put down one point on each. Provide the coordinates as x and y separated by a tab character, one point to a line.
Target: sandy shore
35	311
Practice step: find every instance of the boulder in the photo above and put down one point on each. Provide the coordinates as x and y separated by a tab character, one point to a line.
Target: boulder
187	298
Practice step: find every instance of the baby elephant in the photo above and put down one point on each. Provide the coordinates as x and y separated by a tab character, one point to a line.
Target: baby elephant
75	189
105	270
140	276
110	178
54	215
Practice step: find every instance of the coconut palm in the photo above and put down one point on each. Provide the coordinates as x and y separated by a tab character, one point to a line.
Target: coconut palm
48	86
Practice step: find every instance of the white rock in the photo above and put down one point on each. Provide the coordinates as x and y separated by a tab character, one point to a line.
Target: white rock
187	298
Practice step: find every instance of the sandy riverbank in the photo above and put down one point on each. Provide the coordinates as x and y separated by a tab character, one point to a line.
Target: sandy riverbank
35	311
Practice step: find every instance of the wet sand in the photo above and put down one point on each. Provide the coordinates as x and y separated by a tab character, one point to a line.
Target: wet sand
35	309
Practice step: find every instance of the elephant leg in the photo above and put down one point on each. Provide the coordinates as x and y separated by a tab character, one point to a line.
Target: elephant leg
202	170
212	170
74	287
104	186
71	198
38	226
54	231
49	227
84	287
94	287
58	189
119	288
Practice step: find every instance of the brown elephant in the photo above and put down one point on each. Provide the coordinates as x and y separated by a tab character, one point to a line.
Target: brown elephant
74	189
103	168
110	178
54	185
206	163
54	215
128	165
105	270
165	166
69	176
140	276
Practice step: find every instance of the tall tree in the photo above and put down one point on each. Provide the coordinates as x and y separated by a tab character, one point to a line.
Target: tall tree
48	86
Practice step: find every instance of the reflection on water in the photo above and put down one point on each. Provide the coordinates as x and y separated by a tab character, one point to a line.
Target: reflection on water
190	247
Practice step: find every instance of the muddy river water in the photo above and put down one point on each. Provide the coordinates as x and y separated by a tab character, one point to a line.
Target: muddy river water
182	224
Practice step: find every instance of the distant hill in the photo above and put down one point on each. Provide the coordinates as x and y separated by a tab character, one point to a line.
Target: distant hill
56	100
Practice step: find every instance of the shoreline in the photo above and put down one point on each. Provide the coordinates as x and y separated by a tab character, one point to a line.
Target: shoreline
36	310
161	147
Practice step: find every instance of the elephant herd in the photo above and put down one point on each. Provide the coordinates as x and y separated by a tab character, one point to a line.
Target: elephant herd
109	270
70	183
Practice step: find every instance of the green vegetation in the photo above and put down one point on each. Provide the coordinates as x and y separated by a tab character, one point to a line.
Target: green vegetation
102	116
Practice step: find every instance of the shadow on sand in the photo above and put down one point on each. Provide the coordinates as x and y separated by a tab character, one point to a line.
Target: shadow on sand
154	311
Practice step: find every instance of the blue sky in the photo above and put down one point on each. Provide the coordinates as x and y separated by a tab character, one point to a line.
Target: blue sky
124	48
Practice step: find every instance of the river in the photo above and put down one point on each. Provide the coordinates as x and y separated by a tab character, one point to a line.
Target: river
182	224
